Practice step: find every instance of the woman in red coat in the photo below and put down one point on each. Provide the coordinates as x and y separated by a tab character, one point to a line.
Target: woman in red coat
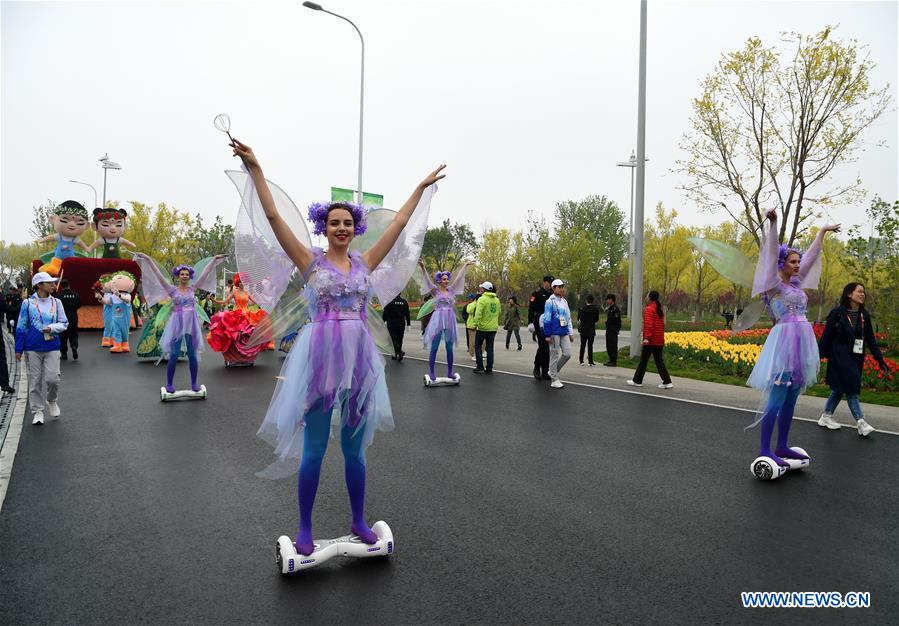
653	343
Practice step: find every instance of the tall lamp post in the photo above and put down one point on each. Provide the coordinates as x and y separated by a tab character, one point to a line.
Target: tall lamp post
318	7
631	163
637	286
106	164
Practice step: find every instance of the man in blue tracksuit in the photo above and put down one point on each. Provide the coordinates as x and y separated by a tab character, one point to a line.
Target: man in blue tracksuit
557	330
41	319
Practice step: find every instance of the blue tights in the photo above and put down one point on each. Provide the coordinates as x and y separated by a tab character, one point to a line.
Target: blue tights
432	358
781	404
315	443
173	363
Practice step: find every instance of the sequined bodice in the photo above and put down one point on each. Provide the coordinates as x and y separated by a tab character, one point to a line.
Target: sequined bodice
790	301
330	291
443	301
182	300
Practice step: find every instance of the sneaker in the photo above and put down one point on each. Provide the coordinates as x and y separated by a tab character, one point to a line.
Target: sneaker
53	409
474	358
519	347
478	371
38	418
633	384
545	377
591	364
583	365
666	385
864	428
74	354
63	357
400	357
610	364
537	373
8	389
556	384
827	421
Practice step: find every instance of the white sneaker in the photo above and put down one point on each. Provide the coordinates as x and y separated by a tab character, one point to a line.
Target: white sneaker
583	365
38	418
827	421
474	358
666	385
53	409
557	384
864	428
633	384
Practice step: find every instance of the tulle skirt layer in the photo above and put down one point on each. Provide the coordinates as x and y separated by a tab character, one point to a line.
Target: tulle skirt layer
181	323
332	364
790	354
442	321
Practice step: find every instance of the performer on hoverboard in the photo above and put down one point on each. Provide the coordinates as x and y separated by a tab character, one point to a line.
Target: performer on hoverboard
442	326
789	359
334	371
183	324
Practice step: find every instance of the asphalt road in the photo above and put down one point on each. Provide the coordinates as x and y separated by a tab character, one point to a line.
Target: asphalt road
509	503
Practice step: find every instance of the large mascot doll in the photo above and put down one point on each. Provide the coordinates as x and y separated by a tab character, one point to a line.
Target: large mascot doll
110	225
118	288
69	220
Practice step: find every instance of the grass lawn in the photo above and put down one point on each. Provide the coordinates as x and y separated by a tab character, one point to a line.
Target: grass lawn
700	371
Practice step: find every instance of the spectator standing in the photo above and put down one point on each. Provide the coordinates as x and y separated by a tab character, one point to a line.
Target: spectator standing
613	327
535	325
397	317
14	303
512	321
557	331
846	334
470	325
587	317
486	318
71	302
4	369
653	343
41	319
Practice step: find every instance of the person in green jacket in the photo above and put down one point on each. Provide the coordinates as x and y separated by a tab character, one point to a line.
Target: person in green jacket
470	327
486	320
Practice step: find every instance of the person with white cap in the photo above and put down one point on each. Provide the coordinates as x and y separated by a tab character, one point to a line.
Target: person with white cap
41	319
557	330
486	320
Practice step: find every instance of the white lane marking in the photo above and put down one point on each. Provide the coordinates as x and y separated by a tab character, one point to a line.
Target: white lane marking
651	395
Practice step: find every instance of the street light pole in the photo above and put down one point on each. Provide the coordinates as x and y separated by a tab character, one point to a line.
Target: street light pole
94	189
318	7
637	285
106	164
631	163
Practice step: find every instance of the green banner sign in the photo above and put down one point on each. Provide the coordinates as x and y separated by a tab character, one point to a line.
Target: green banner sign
339	194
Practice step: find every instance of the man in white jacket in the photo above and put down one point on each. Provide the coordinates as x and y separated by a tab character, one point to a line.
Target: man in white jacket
557	330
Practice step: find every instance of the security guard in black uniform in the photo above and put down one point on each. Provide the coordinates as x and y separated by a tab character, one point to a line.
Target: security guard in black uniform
396	315
535	310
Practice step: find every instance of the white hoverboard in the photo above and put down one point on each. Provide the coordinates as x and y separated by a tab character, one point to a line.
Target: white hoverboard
442	381
183	394
290	562
765	468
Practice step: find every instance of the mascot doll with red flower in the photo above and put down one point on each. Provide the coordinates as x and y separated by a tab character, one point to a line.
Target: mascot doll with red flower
110	225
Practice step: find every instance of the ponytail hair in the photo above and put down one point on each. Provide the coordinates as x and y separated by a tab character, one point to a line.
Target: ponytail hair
654	297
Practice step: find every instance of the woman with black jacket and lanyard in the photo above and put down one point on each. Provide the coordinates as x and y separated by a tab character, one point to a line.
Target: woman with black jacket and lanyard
847	332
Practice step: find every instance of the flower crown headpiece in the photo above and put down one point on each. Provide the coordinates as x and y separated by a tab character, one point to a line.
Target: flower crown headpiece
784	252
318	215
70	207
109	214
439	275
177	270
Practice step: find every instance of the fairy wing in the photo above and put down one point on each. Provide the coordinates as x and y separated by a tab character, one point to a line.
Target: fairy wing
378	329
289	315
207	282
726	260
265	268
426	308
392	275
155	289
750	315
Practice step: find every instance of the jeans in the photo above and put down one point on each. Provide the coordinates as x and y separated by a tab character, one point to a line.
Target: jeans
481	337
851	399
509	336
559	353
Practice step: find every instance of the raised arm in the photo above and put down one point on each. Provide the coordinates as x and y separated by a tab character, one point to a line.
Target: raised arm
210	267
47	239
459	279
374	255
150	265
301	256
766	276
810	266
429	284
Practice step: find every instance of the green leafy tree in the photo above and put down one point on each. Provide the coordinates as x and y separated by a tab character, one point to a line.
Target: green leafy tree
667	253
15	261
603	223
41	225
163	232
769	128
448	245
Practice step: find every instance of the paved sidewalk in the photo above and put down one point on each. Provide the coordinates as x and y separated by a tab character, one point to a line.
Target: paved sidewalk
883	418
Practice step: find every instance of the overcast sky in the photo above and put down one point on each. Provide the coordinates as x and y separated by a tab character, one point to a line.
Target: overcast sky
529	103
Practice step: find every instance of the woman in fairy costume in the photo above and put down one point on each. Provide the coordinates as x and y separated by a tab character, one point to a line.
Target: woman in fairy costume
442	326
334	370
183	323
789	360
228	330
